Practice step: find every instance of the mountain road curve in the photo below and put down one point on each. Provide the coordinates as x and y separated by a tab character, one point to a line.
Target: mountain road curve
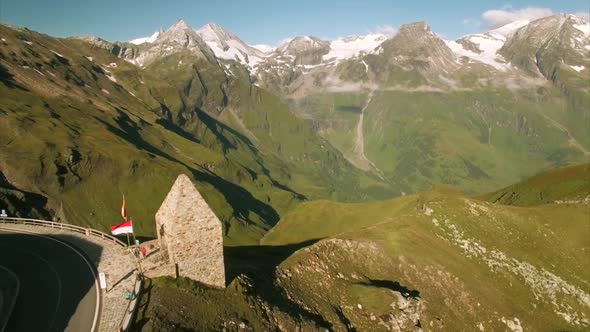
58	286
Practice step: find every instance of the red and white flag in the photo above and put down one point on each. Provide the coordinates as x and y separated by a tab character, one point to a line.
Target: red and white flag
124	228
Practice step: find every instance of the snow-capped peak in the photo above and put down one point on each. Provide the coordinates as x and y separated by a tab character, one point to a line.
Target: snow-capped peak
228	46
349	47
582	25
179	25
300	44
212	32
149	39
510	28
483	47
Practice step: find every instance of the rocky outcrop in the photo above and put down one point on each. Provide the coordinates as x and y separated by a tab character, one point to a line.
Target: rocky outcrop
190	234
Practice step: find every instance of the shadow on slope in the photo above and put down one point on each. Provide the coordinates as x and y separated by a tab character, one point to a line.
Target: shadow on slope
258	263
241	200
394	286
8	79
22	203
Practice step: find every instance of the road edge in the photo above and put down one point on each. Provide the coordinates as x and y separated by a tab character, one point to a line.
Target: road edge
90	266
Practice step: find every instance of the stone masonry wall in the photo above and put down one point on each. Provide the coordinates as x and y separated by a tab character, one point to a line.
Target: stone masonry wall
190	234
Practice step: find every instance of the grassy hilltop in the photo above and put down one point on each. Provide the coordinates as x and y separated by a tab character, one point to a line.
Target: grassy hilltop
439	260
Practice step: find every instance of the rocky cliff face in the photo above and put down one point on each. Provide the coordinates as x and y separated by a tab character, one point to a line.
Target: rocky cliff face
416	44
542	45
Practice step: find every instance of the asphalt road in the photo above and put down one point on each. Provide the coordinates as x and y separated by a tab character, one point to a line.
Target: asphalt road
57	287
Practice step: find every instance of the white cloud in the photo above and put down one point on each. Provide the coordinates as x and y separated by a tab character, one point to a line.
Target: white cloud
387	30
496	18
584	15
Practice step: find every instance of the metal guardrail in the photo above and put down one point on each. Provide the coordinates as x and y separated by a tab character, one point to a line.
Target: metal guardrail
73	228
132	305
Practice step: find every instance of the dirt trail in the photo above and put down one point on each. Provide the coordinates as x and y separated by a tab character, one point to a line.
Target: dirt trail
241	125
361	161
571	139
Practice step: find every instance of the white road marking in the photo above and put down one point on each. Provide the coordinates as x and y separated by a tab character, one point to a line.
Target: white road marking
97	287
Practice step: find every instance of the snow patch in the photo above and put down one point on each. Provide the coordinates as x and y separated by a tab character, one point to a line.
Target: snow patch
59	55
349	47
27	42
488	44
227	46
89	58
149	39
584	27
577	68
366	66
264	48
510	28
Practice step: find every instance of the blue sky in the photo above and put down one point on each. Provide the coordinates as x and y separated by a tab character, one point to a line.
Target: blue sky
268	21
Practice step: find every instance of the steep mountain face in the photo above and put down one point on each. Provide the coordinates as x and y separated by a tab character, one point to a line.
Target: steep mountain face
83	121
542	45
304	50
150	39
407	111
143	51
416	47
290	61
353	46
178	36
75	115
395	109
356	93
558	48
484	47
304	64
228	46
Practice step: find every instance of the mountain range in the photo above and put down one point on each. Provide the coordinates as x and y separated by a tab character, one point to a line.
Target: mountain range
358	180
395	113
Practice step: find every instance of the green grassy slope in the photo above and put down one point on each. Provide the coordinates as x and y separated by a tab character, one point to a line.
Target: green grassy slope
475	140
563	185
437	260
441	260
81	127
